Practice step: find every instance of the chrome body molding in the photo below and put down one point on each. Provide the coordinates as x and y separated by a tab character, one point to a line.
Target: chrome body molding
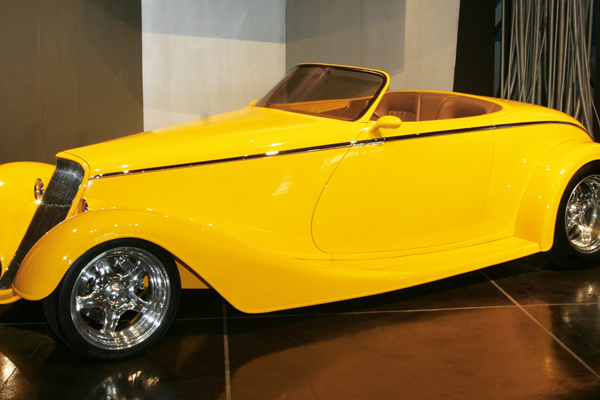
333	146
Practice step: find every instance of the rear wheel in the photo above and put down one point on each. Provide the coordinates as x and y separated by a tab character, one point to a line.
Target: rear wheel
577	232
116	301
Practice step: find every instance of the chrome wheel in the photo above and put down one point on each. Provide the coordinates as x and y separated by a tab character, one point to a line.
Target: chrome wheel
120	298
577	231
582	222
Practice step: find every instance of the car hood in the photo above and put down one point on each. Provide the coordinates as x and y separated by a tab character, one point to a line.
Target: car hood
251	131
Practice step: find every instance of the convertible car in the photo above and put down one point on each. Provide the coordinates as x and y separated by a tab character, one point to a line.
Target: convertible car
328	188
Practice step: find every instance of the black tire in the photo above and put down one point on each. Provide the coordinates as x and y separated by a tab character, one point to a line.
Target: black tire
116	301
579	208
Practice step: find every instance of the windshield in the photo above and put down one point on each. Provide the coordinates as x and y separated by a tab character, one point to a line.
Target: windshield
327	91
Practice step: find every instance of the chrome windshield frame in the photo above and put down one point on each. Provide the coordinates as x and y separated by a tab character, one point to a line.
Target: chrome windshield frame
264	101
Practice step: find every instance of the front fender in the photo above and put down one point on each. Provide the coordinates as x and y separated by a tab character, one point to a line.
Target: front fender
17	202
250	278
536	218
17	206
46	263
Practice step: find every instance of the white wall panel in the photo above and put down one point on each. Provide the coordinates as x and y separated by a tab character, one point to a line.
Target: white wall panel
430	45
203	57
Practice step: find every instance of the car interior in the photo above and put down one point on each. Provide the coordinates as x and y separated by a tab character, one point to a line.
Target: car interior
411	107
426	106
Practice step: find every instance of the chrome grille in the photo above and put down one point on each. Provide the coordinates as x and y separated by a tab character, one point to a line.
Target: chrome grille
53	209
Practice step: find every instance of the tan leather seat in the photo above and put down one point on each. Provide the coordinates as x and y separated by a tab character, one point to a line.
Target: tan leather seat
404	105
425	106
459	107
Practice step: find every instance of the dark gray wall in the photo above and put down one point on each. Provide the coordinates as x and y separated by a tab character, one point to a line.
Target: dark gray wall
70	75
475	50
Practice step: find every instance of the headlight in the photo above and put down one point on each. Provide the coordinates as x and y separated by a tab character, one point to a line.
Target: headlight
38	190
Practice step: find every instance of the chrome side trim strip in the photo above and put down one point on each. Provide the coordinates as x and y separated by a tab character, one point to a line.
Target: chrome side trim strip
334	146
224	160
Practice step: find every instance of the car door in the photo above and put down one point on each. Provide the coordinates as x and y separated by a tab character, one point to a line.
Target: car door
425	185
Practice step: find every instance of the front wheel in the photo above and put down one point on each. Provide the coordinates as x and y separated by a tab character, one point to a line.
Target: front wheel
577	232
116	301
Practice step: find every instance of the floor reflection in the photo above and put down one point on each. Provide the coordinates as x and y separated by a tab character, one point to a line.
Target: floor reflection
457	338
132	385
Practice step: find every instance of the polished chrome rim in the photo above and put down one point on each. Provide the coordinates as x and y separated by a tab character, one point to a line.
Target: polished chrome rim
120	298
581	218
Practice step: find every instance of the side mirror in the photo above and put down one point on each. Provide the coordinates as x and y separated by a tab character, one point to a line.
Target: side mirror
253	102
387	123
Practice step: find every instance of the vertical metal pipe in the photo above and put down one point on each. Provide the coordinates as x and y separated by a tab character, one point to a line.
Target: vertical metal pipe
561	54
503	50
550	56
546	55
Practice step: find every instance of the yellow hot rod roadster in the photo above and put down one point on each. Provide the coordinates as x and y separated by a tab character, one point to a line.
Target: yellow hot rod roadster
328	188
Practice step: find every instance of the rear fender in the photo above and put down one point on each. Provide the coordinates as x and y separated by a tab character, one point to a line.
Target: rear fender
536	218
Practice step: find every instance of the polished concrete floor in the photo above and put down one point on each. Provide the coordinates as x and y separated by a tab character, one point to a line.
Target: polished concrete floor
520	330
